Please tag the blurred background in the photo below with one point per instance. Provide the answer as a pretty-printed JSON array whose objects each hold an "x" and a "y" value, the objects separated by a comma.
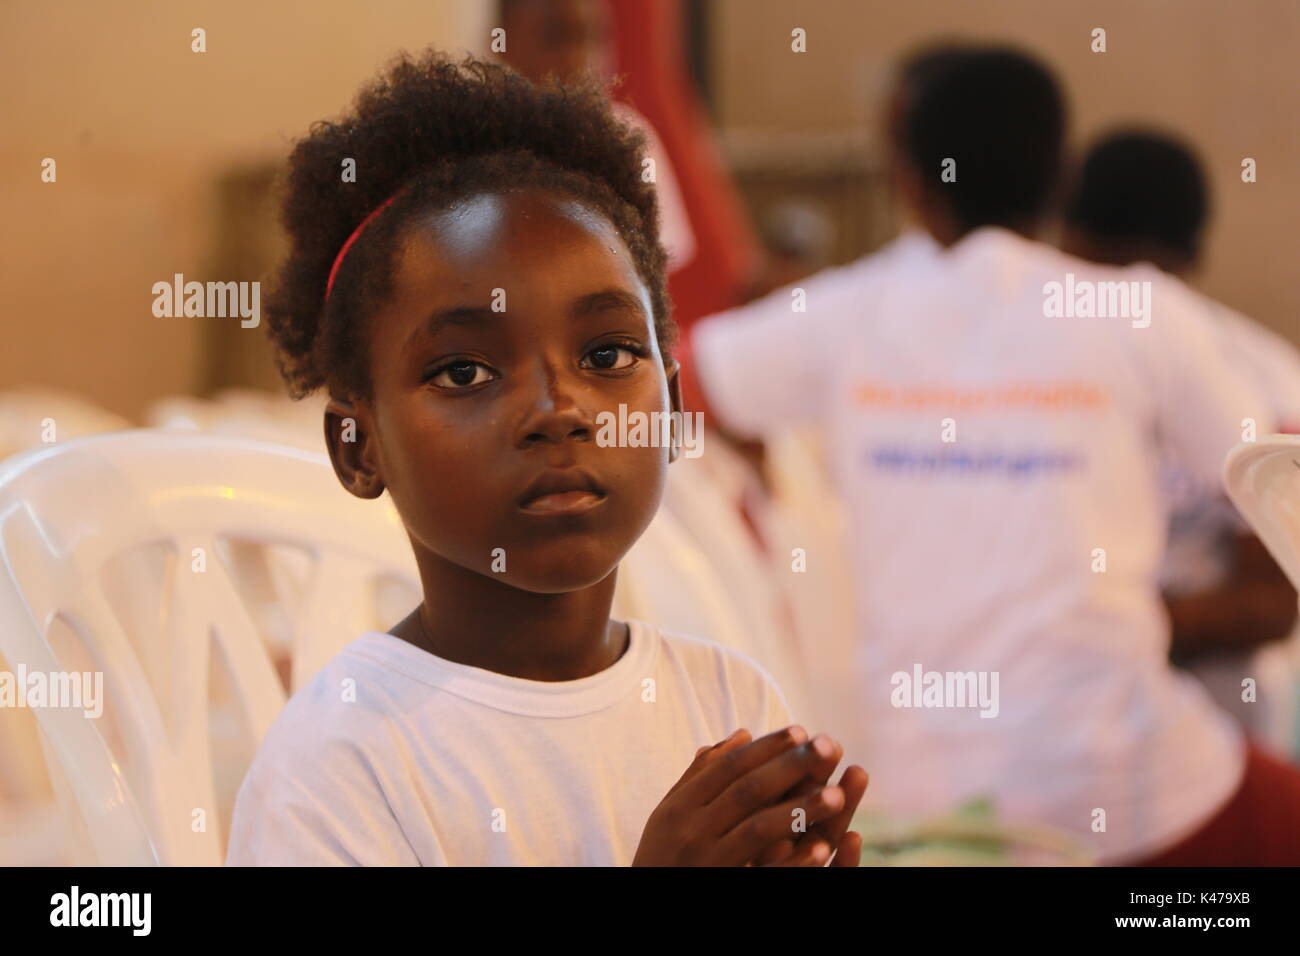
[{"x": 167, "y": 158}]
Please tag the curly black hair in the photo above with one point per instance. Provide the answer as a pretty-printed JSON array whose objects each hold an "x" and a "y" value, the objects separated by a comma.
[{"x": 430, "y": 131}]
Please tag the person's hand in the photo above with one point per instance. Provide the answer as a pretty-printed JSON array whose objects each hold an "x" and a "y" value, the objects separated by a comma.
[
  {"x": 834, "y": 832},
  {"x": 738, "y": 799}
]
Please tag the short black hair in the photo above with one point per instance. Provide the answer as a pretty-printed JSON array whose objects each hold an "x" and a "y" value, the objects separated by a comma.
[
  {"x": 431, "y": 130},
  {"x": 999, "y": 113},
  {"x": 1144, "y": 186}
]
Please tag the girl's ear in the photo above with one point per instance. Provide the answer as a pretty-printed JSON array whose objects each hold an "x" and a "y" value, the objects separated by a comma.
[
  {"x": 673, "y": 371},
  {"x": 351, "y": 449}
]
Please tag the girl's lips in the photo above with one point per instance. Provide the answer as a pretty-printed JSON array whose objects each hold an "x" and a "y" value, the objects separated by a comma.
[
  {"x": 562, "y": 491},
  {"x": 563, "y": 503}
]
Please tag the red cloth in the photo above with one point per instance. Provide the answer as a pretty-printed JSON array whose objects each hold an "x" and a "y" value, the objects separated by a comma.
[
  {"x": 648, "y": 45},
  {"x": 1260, "y": 826}
]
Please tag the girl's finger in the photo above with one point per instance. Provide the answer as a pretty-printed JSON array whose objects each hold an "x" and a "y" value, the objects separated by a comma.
[
  {"x": 775, "y": 853},
  {"x": 702, "y": 756},
  {"x": 751, "y": 838},
  {"x": 812, "y": 853},
  {"x": 763, "y": 784},
  {"x": 853, "y": 782},
  {"x": 849, "y": 852},
  {"x": 735, "y": 757}
]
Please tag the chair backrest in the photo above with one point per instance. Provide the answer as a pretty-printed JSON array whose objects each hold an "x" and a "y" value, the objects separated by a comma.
[
  {"x": 91, "y": 531},
  {"x": 34, "y": 417},
  {"x": 1263, "y": 480}
]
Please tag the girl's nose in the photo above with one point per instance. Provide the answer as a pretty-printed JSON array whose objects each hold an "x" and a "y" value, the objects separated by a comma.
[{"x": 554, "y": 411}]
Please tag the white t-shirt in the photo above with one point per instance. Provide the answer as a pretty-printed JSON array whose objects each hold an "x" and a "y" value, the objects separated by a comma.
[
  {"x": 391, "y": 756},
  {"x": 991, "y": 458}
]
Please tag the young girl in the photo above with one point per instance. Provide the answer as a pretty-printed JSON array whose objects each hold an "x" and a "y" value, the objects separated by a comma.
[{"x": 487, "y": 282}]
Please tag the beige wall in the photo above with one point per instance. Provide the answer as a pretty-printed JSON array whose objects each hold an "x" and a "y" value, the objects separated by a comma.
[
  {"x": 1224, "y": 73},
  {"x": 140, "y": 128}
]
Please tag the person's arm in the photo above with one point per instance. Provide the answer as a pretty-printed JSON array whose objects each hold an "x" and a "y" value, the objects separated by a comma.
[
  {"x": 1255, "y": 605},
  {"x": 1204, "y": 401},
  {"x": 768, "y": 364}
]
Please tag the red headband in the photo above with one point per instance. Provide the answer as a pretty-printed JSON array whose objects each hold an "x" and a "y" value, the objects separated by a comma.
[{"x": 338, "y": 259}]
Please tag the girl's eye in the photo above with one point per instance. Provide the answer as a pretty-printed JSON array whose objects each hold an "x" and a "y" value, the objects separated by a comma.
[
  {"x": 611, "y": 357},
  {"x": 462, "y": 375}
]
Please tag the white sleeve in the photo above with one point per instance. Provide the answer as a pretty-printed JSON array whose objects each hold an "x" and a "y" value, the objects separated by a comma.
[
  {"x": 1202, "y": 400},
  {"x": 1268, "y": 358},
  {"x": 768, "y": 364},
  {"x": 309, "y": 806}
]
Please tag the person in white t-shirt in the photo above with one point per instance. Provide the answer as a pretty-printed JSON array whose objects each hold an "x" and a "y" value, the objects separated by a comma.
[
  {"x": 477, "y": 303},
  {"x": 1142, "y": 196},
  {"x": 996, "y": 413}
]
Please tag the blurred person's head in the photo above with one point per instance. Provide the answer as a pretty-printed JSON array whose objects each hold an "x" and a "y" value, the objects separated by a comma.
[
  {"x": 564, "y": 38},
  {"x": 1138, "y": 197},
  {"x": 907, "y": 80},
  {"x": 999, "y": 116}
]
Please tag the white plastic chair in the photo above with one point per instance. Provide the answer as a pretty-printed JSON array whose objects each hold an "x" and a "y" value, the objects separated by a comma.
[
  {"x": 35, "y": 417},
  {"x": 133, "y": 782},
  {"x": 1263, "y": 480},
  {"x": 265, "y": 416}
]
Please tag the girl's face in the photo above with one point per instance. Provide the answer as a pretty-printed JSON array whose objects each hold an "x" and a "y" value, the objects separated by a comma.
[{"x": 515, "y": 320}]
